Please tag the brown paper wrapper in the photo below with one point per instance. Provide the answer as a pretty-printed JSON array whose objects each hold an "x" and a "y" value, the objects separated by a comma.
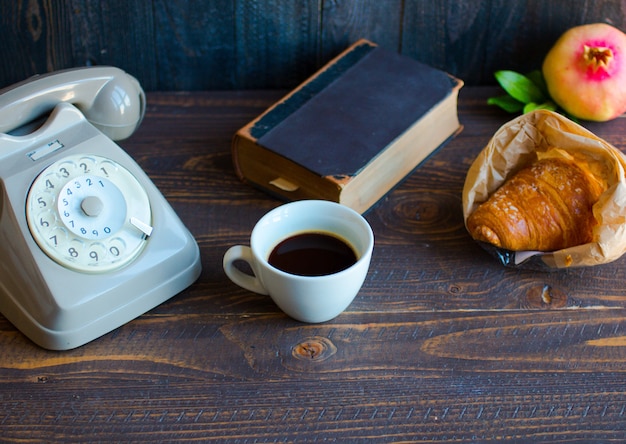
[{"x": 541, "y": 134}]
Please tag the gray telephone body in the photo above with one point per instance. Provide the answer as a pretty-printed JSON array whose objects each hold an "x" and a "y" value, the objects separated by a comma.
[{"x": 87, "y": 242}]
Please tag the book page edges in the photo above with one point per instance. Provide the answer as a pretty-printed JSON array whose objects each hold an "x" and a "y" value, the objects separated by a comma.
[
  {"x": 278, "y": 175},
  {"x": 403, "y": 155}
]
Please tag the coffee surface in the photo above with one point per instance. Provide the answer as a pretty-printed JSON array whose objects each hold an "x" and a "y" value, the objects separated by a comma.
[{"x": 312, "y": 254}]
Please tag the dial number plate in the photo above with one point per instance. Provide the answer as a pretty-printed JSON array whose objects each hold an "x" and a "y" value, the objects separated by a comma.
[{"x": 89, "y": 213}]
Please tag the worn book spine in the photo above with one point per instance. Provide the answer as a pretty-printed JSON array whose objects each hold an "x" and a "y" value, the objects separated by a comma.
[{"x": 246, "y": 150}]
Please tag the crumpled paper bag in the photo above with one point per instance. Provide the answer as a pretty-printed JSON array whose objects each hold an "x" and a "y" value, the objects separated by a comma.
[{"x": 538, "y": 134}]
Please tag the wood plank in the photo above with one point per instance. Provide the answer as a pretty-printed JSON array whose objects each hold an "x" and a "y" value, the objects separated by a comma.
[
  {"x": 276, "y": 42},
  {"x": 447, "y": 35},
  {"x": 345, "y": 22},
  {"x": 33, "y": 39},
  {"x": 442, "y": 343},
  {"x": 177, "y": 45},
  {"x": 390, "y": 377},
  {"x": 194, "y": 45},
  {"x": 106, "y": 33}
]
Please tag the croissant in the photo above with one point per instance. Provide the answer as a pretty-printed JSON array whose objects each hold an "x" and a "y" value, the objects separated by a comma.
[{"x": 546, "y": 206}]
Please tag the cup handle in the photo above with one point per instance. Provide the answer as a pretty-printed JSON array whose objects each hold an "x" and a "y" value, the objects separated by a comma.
[{"x": 240, "y": 252}]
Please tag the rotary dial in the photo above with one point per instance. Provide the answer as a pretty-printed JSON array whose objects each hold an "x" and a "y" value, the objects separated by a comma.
[{"x": 89, "y": 213}]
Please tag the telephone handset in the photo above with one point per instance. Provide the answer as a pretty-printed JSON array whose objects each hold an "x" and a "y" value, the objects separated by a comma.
[
  {"x": 110, "y": 99},
  {"x": 87, "y": 241}
]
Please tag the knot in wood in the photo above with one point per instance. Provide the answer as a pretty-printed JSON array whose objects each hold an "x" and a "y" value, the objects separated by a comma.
[
  {"x": 427, "y": 212},
  {"x": 544, "y": 296},
  {"x": 316, "y": 348},
  {"x": 454, "y": 289}
]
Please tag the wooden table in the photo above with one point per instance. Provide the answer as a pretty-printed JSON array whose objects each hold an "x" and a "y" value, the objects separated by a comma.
[{"x": 442, "y": 343}]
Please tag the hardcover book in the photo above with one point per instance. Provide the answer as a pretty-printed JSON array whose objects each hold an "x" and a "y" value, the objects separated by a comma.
[{"x": 352, "y": 131}]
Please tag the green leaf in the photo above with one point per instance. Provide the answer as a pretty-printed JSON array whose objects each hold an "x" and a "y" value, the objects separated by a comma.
[
  {"x": 537, "y": 78},
  {"x": 519, "y": 87},
  {"x": 507, "y": 103},
  {"x": 533, "y": 106}
]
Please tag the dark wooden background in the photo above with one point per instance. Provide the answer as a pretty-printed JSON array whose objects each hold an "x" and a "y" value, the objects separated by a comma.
[
  {"x": 258, "y": 44},
  {"x": 442, "y": 345}
]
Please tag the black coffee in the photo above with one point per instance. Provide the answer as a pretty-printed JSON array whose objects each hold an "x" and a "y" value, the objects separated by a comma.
[{"x": 312, "y": 254}]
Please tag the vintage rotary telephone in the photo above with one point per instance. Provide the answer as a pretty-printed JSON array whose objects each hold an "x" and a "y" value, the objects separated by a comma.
[{"x": 87, "y": 242}]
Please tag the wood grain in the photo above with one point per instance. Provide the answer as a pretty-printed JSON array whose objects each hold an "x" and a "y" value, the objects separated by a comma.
[
  {"x": 442, "y": 344},
  {"x": 258, "y": 44}
]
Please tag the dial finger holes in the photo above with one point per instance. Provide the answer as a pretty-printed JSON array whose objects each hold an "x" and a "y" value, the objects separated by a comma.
[{"x": 79, "y": 211}]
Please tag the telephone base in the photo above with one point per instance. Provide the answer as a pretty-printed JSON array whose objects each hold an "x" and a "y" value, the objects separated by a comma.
[
  {"x": 66, "y": 339},
  {"x": 70, "y": 273}
]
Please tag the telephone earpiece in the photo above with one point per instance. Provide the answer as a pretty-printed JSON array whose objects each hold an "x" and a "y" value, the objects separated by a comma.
[
  {"x": 118, "y": 107},
  {"x": 112, "y": 100}
]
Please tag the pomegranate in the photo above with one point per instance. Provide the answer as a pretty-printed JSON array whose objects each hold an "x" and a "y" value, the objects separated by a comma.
[{"x": 585, "y": 72}]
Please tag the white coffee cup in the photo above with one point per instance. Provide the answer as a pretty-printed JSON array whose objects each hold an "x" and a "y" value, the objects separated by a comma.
[{"x": 305, "y": 298}]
